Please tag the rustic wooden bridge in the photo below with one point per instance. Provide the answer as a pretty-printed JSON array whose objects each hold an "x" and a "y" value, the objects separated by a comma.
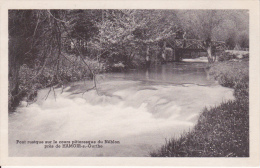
[{"x": 175, "y": 49}]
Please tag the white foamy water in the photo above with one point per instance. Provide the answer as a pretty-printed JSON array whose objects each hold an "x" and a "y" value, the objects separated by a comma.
[{"x": 138, "y": 115}]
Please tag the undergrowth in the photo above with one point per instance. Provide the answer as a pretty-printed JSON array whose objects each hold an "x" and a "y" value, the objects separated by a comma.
[
  {"x": 36, "y": 77},
  {"x": 221, "y": 131}
]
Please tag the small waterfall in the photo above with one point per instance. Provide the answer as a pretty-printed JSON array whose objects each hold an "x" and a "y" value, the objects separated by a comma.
[{"x": 137, "y": 114}]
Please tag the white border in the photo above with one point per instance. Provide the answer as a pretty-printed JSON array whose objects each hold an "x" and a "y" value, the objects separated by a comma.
[{"x": 253, "y": 160}]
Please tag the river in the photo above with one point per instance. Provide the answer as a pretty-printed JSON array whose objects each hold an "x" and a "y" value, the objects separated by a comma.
[{"x": 138, "y": 109}]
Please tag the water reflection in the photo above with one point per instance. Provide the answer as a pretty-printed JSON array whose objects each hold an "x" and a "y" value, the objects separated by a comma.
[{"x": 175, "y": 73}]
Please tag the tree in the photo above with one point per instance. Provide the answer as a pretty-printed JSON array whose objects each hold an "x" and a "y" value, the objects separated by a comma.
[
  {"x": 127, "y": 33},
  {"x": 83, "y": 26},
  {"x": 234, "y": 29},
  {"x": 202, "y": 23},
  {"x": 36, "y": 39},
  {"x": 211, "y": 25},
  {"x": 21, "y": 26}
]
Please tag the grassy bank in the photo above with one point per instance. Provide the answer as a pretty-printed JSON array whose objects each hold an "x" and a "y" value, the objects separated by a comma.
[
  {"x": 221, "y": 131},
  {"x": 35, "y": 77}
]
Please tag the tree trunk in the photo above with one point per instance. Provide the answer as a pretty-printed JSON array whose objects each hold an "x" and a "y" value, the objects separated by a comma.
[
  {"x": 209, "y": 51},
  {"x": 164, "y": 52},
  {"x": 14, "y": 67},
  {"x": 16, "y": 46},
  {"x": 208, "y": 47},
  {"x": 147, "y": 57}
]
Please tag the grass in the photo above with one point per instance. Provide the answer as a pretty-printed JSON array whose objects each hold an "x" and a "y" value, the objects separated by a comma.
[
  {"x": 33, "y": 78},
  {"x": 233, "y": 75},
  {"x": 221, "y": 131}
]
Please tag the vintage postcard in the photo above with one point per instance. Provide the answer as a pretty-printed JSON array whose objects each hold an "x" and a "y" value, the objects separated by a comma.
[{"x": 130, "y": 83}]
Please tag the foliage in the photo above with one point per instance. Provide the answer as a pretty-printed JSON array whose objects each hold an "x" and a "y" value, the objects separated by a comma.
[
  {"x": 36, "y": 44},
  {"x": 83, "y": 23},
  {"x": 232, "y": 55},
  {"x": 39, "y": 39},
  {"x": 222, "y": 25},
  {"x": 226, "y": 56},
  {"x": 72, "y": 70},
  {"x": 230, "y": 73},
  {"x": 234, "y": 75},
  {"x": 202, "y": 22},
  {"x": 34, "y": 35},
  {"x": 221, "y": 131},
  {"x": 125, "y": 34}
]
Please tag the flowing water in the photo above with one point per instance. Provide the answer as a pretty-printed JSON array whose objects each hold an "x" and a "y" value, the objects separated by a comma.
[{"x": 138, "y": 109}]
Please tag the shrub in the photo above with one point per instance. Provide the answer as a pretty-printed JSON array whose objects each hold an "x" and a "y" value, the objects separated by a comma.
[
  {"x": 234, "y": 75},
  {"x": 221, "y": 131},
  {"x": 225, "y": 56},
  {"x": 71, "y": 69}
]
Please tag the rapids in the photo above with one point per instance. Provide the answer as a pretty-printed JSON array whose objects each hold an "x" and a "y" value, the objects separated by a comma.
[{"x": 140, "y": 109}]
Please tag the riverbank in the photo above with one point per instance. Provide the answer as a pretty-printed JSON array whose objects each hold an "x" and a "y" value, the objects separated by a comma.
[
  {"x": 70, "y": 68},
  {"x": 221, "y": 131},
  {"x": 149, "y": 104},
  {"x": 35, "y": 77}
]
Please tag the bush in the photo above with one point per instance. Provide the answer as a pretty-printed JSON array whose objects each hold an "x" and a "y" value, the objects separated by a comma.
[
  {"x": 229, "y": 55},
  {"x": 221, "y": 131},
  {"x": 234, "y": 75},
  {"x": 71, "y": 69},
  {"x": 225, "y": 56}
]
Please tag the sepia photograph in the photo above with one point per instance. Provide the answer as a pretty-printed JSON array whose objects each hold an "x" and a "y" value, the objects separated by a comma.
[{"x": 129, "y": 83}]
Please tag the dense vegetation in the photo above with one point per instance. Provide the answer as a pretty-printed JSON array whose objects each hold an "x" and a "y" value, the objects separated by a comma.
[
  {"x": 221, "y": 131},
  {"x": 49, "y": 48}
]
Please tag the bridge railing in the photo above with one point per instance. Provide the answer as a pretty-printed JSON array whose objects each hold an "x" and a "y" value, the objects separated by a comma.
[{"x": 197, "y": 44}]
